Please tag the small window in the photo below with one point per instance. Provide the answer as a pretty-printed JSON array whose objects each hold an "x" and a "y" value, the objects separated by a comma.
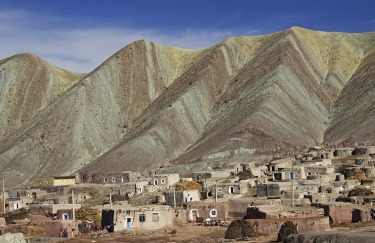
[
  {"x": 155, "y": 217},
  {"x": 220, "y": 189},
  {"x": 213, "y": 213},
  {"x": 113, "y": 179},
  {"x": 142, "y": 218},
  {"x": 105, "y": 179},
  {"x": 162, "y": 181}
]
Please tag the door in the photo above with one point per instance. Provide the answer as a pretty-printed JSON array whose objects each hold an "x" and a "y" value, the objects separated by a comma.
[
  {"x": 128, "y": 223},
  {"x": 195, "y": 215},
  {"x": 231, "y": 189}
]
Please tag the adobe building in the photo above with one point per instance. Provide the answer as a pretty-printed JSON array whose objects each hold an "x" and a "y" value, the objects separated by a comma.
[
  {"x": 125, "y": 217},
  {"x": 338, "y": 213},
  {"x": 200, "y": 211},
  {"x": 181, "y": 197},
  {"x": 130, "y": 188},
  {"x": 229, "y": 189},
  {"x": 53, "y": 181},
  {"x": 165, "y": 180},
  {"x": 109, "y": 177},
  {"x": 50, "y": 210},
  {"x": 238, "y": 206}
]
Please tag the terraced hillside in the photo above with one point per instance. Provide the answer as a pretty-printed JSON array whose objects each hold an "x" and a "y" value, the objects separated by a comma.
[{"x": 149, "y": 104}]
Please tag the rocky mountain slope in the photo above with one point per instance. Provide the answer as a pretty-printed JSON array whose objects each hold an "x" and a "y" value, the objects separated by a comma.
[{"x": 149, "y": 104}]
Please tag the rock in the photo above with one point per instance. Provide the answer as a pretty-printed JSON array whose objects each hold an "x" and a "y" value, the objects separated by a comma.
[{"x": 12, "y": 238}]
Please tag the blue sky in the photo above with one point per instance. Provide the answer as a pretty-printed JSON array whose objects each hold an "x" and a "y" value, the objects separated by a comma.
[{"x": 78, "y": 35}]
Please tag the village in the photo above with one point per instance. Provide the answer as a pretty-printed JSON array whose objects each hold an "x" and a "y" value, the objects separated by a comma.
[{"x": 317, "y": 190}]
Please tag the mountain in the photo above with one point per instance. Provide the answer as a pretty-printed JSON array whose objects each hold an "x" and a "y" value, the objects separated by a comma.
[{"x": 148, "y": 104}]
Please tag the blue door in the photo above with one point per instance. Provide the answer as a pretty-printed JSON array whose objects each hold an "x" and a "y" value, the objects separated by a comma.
[
  {"x": 128, "y": 223},
  {"x": 291, "y": 175}
]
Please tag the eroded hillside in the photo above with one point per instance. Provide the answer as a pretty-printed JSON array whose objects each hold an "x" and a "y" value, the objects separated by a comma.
[{"x": 149, "y": 104}]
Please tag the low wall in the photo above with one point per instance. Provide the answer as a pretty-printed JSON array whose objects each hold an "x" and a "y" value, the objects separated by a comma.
[
  {"x": 46, "y": 228},
  {"x": 271, "y": 227}
]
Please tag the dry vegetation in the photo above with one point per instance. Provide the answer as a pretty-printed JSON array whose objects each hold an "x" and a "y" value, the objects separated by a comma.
[
  {"x": 89, "y": 214},
  {"x": 189, "y": 185}
]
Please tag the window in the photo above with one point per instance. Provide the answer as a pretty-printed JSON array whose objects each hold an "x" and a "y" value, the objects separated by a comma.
[
  {"x": 142, "y": 218},
  {"x": 105, "y": 179},
  {"x": 155, "y": 217},
  {"x": 213, "y": 213},
  {"x": 308, "y": 173},
  {"x": 122, "y": 179},
  {"x": 220, "y": 189},
  {"x": 162, "y": 181},
  {"x": 113, "y": 179}
]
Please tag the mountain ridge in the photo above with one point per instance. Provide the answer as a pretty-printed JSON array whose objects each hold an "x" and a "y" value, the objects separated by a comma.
[{"x": 150, "y": 104}]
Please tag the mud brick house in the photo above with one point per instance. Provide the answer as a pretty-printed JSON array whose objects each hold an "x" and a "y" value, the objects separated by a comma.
[
  {"x": 364, "y": 150},
  {"x": 211, "y": 174},
  {"x": 181, "y": 197},
  {"x": 51, "y": 209},
  {"x": 277, "y": 165},
  {"x": 130, "y": 188},
  {"x": 316, "y": 170},
  {"x": 53, "y": 181},
  {"x": 32, "y": 193},
  {"x": 343, "y": 152},
  {"x": 124, "y": 217},
  {"x": 109, "y": 177},
  {"x": 229, "y": 189},
  {"x": 338, "y": 212},
  {"x": 200, "y": 211},
  {"x": 238, "y": 206},
  {"x": 15, "y": 204},
  {"x": 296, "y": 172},
  {"x": 165, "y": 180}
]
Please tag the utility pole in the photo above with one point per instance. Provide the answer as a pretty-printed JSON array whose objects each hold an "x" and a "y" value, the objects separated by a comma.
[
  {"x": 292, "y": 184},
  {"x": 216, "y": 192},
  {"x": 174, "y": 197},
  {"x": 3, "y": 196},
  {"x": 110, "y": 199},
  {"x": 73, "y": 214}
]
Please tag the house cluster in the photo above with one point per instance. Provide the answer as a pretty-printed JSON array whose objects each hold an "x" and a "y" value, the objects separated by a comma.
[{"x": 314, "y": 189}]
